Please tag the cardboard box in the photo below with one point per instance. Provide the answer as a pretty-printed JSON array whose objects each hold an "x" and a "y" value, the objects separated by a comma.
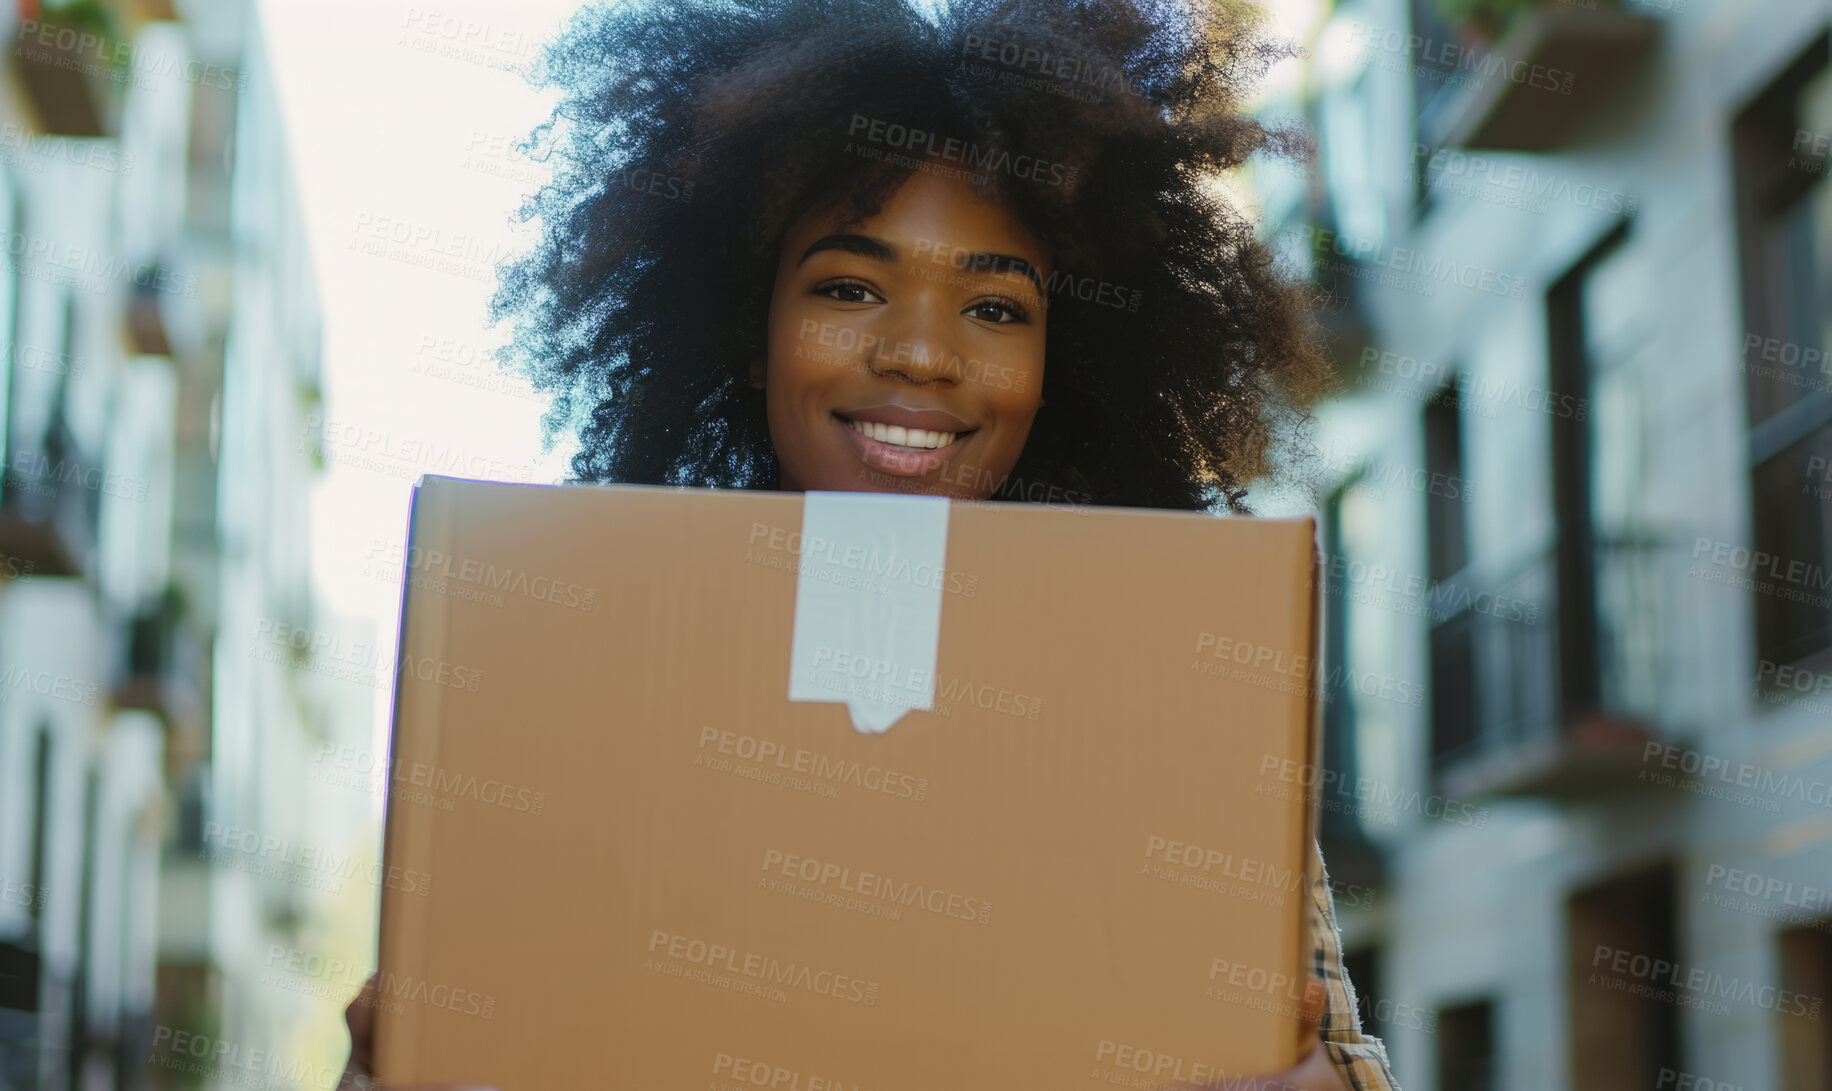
[{"x": 641, "y": 865}]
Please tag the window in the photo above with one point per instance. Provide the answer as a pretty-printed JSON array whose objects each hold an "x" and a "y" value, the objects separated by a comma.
[
  {"x": 1338, "y": 700},
  {"x": 193, "y": 809},
  {"x": 1347, "y": 119},
  {"x": 83, "y": 1005},
  {"x": 1363, "y": 970},
  {"x": 1784, "y": 221},
  {"x": 1436, "y": 54},
  {"x": 1466, "y": 1047},
  {"x": 1354, "y": 675},
  {"x": 1447, "y": 544},
  {"x": 40, "y": 847},
  {"x": 1624, "y": 1019},
  {"x": 9, "y": 296},
  {"x": 40, "y": 447},
  {"x": 1574, "y": 445},
  {"x": 1453, "y": 651}
]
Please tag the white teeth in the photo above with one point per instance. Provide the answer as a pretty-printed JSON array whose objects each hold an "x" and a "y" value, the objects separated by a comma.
[{"x": 903, "y": 437}]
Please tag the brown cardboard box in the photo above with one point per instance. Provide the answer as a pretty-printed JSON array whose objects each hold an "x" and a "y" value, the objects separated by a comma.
[{"x": 641, "y": 866}]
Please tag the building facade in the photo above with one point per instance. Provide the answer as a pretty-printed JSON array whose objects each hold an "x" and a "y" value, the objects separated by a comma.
[
  {"x": 107, "y": 323},
  {"x": 159, "y": 320},
  {"x": 1577, "y": 546}
]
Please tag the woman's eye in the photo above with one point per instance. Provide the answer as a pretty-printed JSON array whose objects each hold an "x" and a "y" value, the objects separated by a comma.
[
  {"x": 848, "y": 292},
  {"x": 995, "y": 311}
]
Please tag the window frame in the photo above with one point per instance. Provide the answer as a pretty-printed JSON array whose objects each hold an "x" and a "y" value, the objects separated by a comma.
[{"x": 1768, "y": 185}]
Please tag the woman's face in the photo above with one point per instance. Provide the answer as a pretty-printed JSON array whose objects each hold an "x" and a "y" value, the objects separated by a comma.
[{"x": 906, "y": 351}]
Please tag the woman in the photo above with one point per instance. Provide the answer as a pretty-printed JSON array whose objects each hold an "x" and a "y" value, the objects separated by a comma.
[{"x": 832, "y": 244}]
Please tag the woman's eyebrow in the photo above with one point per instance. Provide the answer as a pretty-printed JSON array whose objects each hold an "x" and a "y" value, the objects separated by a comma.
[
  {"x": 865, "y": 246},
  {"x": 870, "y": 246},
  {"x": 1004, "y": 265}
]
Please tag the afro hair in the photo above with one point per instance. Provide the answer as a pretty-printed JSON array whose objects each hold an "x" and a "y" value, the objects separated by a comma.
[{"x": 690, "y": 133}]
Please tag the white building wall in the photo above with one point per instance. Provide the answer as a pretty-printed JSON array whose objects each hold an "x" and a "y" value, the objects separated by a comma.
[{"x": 1480, "y": 913}]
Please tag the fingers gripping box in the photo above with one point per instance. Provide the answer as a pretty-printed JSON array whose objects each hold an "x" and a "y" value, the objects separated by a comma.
[{"x": 841, "y": 791}]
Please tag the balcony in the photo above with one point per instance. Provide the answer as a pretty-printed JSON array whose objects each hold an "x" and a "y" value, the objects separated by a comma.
[
  {"x": 72, "y": 63},
  {"x": 20, "y": 969},
  {"x": 49, "y": 508},
  {"x": 1554, "y": 67},
  {"x": 1342, "y": 312},
  {"x": 147, "y": 329},
  {"x": 162, "y": 667},
  {"x": 20, "y": 978},
  {"x": 1531, "y": 699}
]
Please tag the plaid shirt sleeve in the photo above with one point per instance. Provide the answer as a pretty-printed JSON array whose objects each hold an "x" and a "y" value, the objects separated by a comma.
[{"x": 1361, "y": 1060}]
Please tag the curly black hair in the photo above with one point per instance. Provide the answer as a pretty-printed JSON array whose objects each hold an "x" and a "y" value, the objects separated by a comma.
[{"x": 691, "y": 133}]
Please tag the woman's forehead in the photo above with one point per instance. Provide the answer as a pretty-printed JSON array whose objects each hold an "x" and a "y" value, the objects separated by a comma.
[{"x": 927, "y": 215}]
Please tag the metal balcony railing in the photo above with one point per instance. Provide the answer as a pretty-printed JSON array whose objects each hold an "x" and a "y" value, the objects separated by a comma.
[
  {"x": 1509, "y": 711},
  {"x": 1556, "y": 66},
  {"x": 50, "y": 504}
]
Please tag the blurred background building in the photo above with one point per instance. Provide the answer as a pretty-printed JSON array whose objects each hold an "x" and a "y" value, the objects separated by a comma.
[
  {"x": 1579, "y": 550},
  {"x": 160, "y": 320}
]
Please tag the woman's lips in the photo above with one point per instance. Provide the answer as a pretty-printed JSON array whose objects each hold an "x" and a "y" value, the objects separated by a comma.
[
  {"x": 908, "y": 416},
  {"x": 893, "y": 459}
]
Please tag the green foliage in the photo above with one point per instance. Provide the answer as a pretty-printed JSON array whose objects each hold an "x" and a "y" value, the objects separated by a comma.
[{"x": 83, "y": 14}]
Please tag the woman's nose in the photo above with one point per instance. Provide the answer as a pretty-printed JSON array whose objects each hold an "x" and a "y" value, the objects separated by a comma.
[{"x": 919, "y": 345}]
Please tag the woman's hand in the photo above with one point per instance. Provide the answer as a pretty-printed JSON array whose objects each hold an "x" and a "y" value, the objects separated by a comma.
[
  {"x": 360, "y": 1018},
  {"x": 1314, "y": 1072}
]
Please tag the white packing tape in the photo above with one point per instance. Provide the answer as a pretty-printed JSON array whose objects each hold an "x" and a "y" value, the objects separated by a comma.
[{"x": 868, "y": 604}]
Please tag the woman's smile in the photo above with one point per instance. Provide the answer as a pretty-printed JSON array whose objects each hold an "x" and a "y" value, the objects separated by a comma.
[{"x": 903, "y": 441}]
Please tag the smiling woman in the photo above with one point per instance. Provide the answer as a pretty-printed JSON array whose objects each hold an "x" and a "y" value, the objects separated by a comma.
[
  {"x": 865, "y": 228},
  {"x": 850, "y": 245}
]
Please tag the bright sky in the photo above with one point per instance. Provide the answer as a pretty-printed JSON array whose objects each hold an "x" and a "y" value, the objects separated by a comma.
[{"x": 401, "y": 120}]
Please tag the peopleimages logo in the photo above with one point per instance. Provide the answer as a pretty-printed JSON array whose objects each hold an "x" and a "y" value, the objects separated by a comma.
[
  {"x": 1062, "y": 282},
  {"x": 1430, "y": 270},
  {"x": 1810, "y": 900},
  {"x": 1796, "y": 362},
  {"x": 1798, "y": 679},
  {"x": 1333, "y": 791},
  {"x": 924, "y": 144},
  {"x": 336, "y": 656},
  {"x": 248, "y": 850},
  {"x": 232, "y": 1063},
  {"x": 1211, "y": 861},
  {"x": 761, "y": 968},
  {"x": 1719, "y": 777},
  {"x": 36, "y": 472},
  {"x": 1686, "y": 1081},
  {"x": 1161, "y": 1066},
  {"x": 1433, "y": 375},
  {"x": 1443, "y": 163},
  {"x": 869, "y": 563},
  {"x": 851, "y": 348},
  {"x": 58, "y": 687},
  {"x": 837, "y": 771},
  {"x": 1482, "y": 63},
  {"x": 439, "y": 566},
  {"x": 776, "y": 1077},
  {"x": 869, "y": 884},
  {"x": 1261, "y": 665},
  {"x": 1691, "y": 987},
  {"x": 1095, "y": 77},
  {"x": 1762, "y": 564}
]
